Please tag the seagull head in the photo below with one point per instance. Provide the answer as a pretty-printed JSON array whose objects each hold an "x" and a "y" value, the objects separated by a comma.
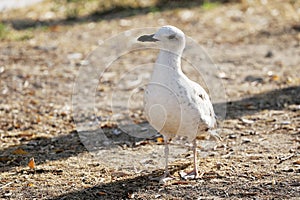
[{"x": 168, "y": 37}]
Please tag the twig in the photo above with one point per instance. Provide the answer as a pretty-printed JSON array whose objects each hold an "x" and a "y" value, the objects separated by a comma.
[
  {"x": 7, "y": 184},
  {"x": 285, "y": 158}
]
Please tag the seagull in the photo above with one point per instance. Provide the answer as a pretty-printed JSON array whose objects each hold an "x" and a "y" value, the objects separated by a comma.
[{"x": 173, "y": 104}]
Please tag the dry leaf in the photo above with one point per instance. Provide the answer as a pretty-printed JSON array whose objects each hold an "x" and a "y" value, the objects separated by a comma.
[
  {"x": 201, "y": 137},
  {"x": 297, "y": 162},
  {"x": 38, "y": 119},
  {"x": 58, "y": 150},
  {"x": 19, "y": 151},
  {"x": 25, "y": 134},
  {"x": 182, "y": 183},
  {"x": 30, "y": 184},
  {"x": 31, "y": 163},
  {"x": 54, "y": 28},
  {"x": 33, "y": 102},
  {"x": 31, "y": 92},
  {"x": 4, "y": 159},
  {"x": 108, "y": 124},
  {"x": 275, "y": 78},
  {"x": 160, "y": 140},
  {"x": 101, "y": 193},
  {"x": 130, "y": 195}
]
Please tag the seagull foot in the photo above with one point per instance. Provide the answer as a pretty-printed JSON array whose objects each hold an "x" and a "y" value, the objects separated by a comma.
[
  {"x": 164, "y": 178},
  {"x": 189, "y": 175}
]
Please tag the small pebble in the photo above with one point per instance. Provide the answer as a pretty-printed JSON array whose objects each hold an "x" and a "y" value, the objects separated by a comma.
[
  {"x": 269, "y": 54},
  {"x": 232, "y": 136},
  {"x": 288, "y": 170},
  {"x": 246, "y": 140}
]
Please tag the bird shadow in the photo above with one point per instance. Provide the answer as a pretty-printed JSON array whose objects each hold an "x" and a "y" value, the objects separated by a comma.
[
  {"x": 121, "y": 189},
  {"x": 42, "y": 149},
  {"x": 278, "y": 99},
  {"x": 45, "y": 149}
]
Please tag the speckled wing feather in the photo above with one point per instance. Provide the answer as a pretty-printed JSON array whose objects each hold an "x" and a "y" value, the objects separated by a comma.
[{"x": 205, "y": 107}]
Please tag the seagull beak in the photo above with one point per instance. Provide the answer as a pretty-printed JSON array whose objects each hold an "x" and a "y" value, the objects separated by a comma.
[{"x": 147, "y": 38}]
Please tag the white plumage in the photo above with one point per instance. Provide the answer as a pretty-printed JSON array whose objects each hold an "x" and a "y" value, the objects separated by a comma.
[{"x": 175, "y": 105}]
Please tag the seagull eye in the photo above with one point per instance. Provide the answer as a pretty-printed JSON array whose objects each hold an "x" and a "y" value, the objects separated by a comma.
[{"x": 171, "y": 37}]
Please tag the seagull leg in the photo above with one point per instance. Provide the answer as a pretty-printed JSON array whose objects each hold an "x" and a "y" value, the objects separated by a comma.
[
  {"x": 195, "y": 170},
  {"x": 166, "y": 176},
  {"x": 166, "y": 151},
  {"x": 194, "y": 173}
]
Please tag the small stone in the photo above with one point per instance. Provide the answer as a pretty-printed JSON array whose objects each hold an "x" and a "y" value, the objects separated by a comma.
[
  {"x": 247, "y": 121},
  {"x": 287, "y": 170},
  {"x": 294, "y": 107},
  {"x": 269, "y": 54},
  {"x": 232, "y": 136},
  {"x": 246, "y": 140},
  {"x": 116, "y": 132},
  {"x": 219, "y": 165},
  {"x": 125, "y": 22},
  {"x": 285, "y": 122},
  {"x": 297, "y": 162},
  {"x": 74, "y": 56},
  {"x": 130, "y": 195},
  {"x": 7, "y": 194},
  {"x": 2, "y": 69}
]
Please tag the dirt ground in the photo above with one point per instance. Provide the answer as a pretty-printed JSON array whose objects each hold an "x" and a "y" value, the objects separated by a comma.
[{"x": 255, "y": 44}]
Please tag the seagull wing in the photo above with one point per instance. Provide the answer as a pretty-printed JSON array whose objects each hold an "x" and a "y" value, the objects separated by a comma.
[{"x": 204, "y": 105}]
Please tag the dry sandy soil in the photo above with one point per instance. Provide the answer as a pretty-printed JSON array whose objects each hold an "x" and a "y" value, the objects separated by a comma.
[{"x": 255, "y": 44}]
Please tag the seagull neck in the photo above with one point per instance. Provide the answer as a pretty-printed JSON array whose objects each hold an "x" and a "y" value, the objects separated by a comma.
[{"x": 169, "y": 59}]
